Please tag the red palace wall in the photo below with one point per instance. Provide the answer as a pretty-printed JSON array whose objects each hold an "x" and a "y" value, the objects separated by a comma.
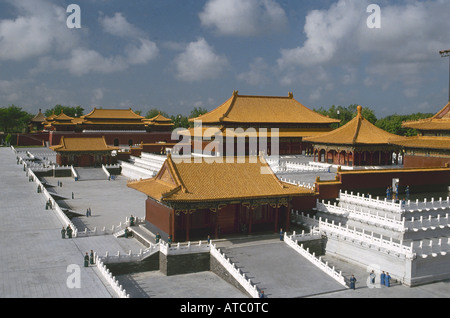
[
  {"x": 122, "y": 137},
  {"x": 422, "y": 161},
  {"x": 34, "y": 139},
  {"x": 159, "y": 215}
]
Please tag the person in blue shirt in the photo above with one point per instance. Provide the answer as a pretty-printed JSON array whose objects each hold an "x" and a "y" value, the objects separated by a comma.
[
  {"x": 387, "y": 280},
  {"x": 353, "y": 282},
  {"x": 382, "y": 278}
]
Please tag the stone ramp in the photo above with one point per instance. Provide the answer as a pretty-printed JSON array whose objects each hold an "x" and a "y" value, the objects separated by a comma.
[
  {"x": 85, "y": 174},
  {"x": 279, "y": 270}
]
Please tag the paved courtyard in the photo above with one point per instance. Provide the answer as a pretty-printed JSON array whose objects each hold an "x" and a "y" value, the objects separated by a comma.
[{"x": 35, "y": 260}]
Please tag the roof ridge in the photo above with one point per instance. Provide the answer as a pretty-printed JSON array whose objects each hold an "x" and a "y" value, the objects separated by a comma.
[
  {"x": 174, "y": 171},
  {"x": 359, "y": 119},
  {"x": 233, "y": 101}
]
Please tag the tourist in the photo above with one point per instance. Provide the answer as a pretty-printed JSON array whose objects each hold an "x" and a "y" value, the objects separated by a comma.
[
  {"x": 209, "y": 239},
  {"x": 86, "y": 260},
  {"x": 388, "y": 193},
  {"x": 281, "y": 235},
  {"x": 91, "y": 258},
  {"x": 387, "y": 280},
  {"x": 131, "y": 220},
  {"x": 169, "y": 241},
  {"x": 261, "y": 294},
  {"x": 72, "y": 196},
  {"x": 157, "y": 237},
  {"x": 63, "y": 233},
  {"x": 382, "y": 277},
  {"x": 87, "y": 212},
  {"x": 372, "y": 277},
  {"x": 69, "y": 231},
  {"x": 126, "y": 232},
  {"x": 353, "y": 282}
]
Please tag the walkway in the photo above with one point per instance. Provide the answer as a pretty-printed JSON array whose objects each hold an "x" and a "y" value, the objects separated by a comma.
[{"x": 34, "y": 258}]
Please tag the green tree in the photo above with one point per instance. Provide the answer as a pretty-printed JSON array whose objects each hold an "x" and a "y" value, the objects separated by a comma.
[
  {"x": 154, "y": 112},
  {"x": 196, "y": 112},
  {"x": 393, "y": 123},
  {"x": 14, "y": 119},
  {"x": 180, "y": 121},
  {"x": 345, "y": 114},
  {"x": 72, "y": 111}
]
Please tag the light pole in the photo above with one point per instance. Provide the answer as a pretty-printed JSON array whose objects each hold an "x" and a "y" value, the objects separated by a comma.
[{"x": 446, "y": 53}]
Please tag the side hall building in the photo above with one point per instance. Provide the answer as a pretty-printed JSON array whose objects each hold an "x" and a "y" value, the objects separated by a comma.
[
  {"x": 189, "y": 199},
  {"x": 431, "y": 147},
  {"x": 259, "y": 119},
  {"x": 357, "y": 143}
]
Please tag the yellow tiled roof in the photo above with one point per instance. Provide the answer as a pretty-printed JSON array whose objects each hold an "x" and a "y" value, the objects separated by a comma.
[
  {"x": 112, "y": 114},
  {"x": 357, "y": 131},
  {"x": 159, "y": 120},
  {"x": 423, "y": 142},
  {"x": 263, "y": 109},
  {"x": 214, "y": 181},
  {"x": 282, "y": 132},
  {"x": 68, "y": 144},
  {"x": 39, "y": 118},
  {"x": 440, "y": 121}
]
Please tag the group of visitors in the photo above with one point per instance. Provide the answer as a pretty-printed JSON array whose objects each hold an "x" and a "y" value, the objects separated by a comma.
[
  {"x": 392, "y": 194},
  {"x": 66, "y": 230},
  {"x": 89, "y": 259},
  {"x": 385, "y": 279}
]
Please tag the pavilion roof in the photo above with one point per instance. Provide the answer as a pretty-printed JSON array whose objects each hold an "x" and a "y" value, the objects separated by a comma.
[
  {"x": 357, "y": 131},
  {"x": 74, "y": 144},
  {"x": 423, "y": 142},
  {"x": 114, "y": 114},
  {"x": 440, "y": 121},
  {"x": 189, "y": 181},
  {"x": 263, "y": 109},
  {"x": 39, "y": 118},
  {"x": 159, "y": 120}
]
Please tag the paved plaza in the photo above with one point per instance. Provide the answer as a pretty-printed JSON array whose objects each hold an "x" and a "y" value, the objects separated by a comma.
[{"x": 35, "y": 260}]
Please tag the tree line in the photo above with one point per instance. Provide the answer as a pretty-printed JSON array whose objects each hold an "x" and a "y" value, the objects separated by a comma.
[
  {"x": 15, "y": 120},
  {"x": 391, "y": 123}
]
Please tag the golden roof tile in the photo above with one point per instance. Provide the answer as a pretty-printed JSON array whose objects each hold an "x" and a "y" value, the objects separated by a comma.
[
  {"x": 74, "y": 144},
  {"x": 423, "y": 142},
  {"x": 263, "y": 109},
  {"x": 357, "y": 131},
  {"x": 187, "y": 180},
  {"x": 440, "y": 121}
]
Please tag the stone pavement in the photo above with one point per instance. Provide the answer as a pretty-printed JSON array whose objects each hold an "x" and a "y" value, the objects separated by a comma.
[{"x": 35, "y": 259}]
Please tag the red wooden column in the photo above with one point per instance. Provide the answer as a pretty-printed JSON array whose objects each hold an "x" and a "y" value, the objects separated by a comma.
[
  {"x": 276, "y": 219},
  {"x": 288, "y": 217},
  {"x": 188, "y": 225},
  {"x": 172, "y": 224},
  {"x": 250, "y": 219}
]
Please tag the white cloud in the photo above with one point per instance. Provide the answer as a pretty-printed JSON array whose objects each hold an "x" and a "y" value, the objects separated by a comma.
[
  {"x": 400, "y": 52},
  {"x": 82, "y": 60},
  {"x": 243, "y": 17},
  {"x": 119, "y": 26},
  {"x": 39, "y": 28},
  {"x": 142, "y": 54},
  {"x": 258, "y": 74},
  {"x": 199, "y": 62},
  {"x": 327, "y": 32}
]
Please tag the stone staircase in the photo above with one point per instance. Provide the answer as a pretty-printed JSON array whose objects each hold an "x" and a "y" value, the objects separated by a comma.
[{"x": 86, "y": 174}]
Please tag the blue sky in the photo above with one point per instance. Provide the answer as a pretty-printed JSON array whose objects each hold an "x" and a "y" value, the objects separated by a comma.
[{"x": 179, "y": 54}]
